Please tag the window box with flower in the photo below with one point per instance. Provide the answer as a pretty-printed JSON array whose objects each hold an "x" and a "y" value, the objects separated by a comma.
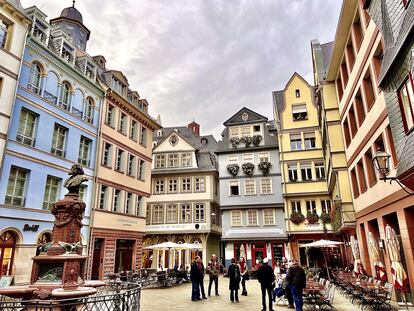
[
  {"x": 312, "y": 218},
  {"x": 247, "y": 140},
  {"x": 265, "y": 167},
  {"x": 233, "y": 169},
  {"x": 297, "y": 218},
  {"x": 256, "y": 139},
  {"x": 234, "y": 142},
  {"x": 248, "y": 168}
]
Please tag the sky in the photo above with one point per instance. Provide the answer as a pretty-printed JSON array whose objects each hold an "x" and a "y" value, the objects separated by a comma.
[{"x": 204, "y": 60}]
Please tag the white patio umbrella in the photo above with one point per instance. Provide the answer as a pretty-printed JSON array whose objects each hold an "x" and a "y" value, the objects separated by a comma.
[
  {"x": 190, "y": 246},
  {"x": 323, "y": 244},
  {"x": 358, "y": 268},
  {"x": 376, "y": 258},
  {"x": 400, "y": 278},
  {"x": 163, "y": 246}
]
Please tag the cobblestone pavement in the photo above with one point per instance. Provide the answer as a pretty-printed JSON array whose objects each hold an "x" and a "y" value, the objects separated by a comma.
[{"x": 179, "y": 298}]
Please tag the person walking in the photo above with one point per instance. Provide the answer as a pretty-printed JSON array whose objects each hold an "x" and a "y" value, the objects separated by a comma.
[
  {"x": 266, "y": 277},
  {"x": 234, "y": 276},
  {"x": 202, "y": 274},
  {"x": 296, "y": 280},
  {"x": 195, "y": 277},
  {"x": 244, "y": 273},
  {"x": 213, "y": 270}
]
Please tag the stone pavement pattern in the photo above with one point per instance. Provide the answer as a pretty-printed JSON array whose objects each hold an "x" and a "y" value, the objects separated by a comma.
[{"x": 178, "y": 298}]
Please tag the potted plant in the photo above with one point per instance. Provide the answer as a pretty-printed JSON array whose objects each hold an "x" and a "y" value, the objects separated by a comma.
[
  {"x": 233, "y": 169},
  {"x": 265, "y": 167},
  {"x": 312, "y": 218},
  {"x": 234, "y": 141},
  {"x": 256, "y": 139},
  {"x": 326, "y": 218},
  {"x": 297, "y": 218},
  {"x": 248, "y": 168},
  {"x": 247, "y": 140}
]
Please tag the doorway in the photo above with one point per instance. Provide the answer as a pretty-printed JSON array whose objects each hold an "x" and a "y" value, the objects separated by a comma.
[
  {"x": 97, "y": 259},
  {"x": 123, "y": 255},
  {"x": 258, "y": 253}
]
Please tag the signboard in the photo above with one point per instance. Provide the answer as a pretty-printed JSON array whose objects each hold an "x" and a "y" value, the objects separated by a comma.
[{"x": 6, "y": 280}]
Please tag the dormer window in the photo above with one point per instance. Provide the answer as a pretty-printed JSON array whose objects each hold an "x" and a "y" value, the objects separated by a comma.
[
  {"x": 297, "y": 93},
  {"x": 90, "y": 71},
  {"x": 39, "y": 31},
  {"x": 118, "y": 86},
  {"x": 299, "y": 112},
  {"x": 67, "y": 52}
]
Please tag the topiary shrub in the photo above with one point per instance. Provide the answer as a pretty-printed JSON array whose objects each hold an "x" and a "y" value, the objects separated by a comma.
[
  {"x": 247, "y": 140},
  {"x": 248, "y": 168},
  {"x": 233, "y": 169},
  {"x": 265, "y": 167},
  {"x": 234, "y": 141}
]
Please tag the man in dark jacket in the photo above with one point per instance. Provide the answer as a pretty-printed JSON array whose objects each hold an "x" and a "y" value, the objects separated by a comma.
[
  {"x": 195, "y": 277},
  {"x": 213, "y": 271},
  {"x": 296, "y": 279},
  {"x": 266, "y": 277}
]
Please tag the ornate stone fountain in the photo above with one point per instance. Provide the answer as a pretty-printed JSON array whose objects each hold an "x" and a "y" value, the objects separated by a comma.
[{"x": 59, "y": 268}]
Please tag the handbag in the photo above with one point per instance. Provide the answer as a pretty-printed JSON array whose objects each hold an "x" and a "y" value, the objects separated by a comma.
[{"x": 246, "y": 277}]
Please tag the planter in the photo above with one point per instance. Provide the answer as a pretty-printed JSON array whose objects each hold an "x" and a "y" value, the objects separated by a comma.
[
  {"x": 256, "y": 139},
  {"x": 233, "y": 169},
  {"x": 312, "y": 218},
  {"x": 265, "y": 167},
  {"x": 326, "y": 218},
  {"x": 248, "y": 168},
  {"x": 297, "y": 218}
]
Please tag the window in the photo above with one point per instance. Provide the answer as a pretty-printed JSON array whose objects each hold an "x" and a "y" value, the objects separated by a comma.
[
  {"x": 172, "y": 214},
  {"x": 234, "y": 131},
  {"x": 89, "y": 106},
  {"x": 295, "y": 205},
  {"x": 361, "y": 176},
  {"x": 248, "y": 157},
  {"x": 252, "y": 218},
  {"x": 352, "y": 121},
  {"x": 250, "y": 187},
  {"x": 297, "y": 93},
  {"x": 299, "y": 112},
  {"x": 173, "y": 160},
  {"x": 139, "y": 203},
  {"x": 310, "y": 141},
  {"x": 59, "y": 140},
  {"x": 122, "y": 127},
  {"x": 369, "y": 91},
  {"x": 117, "y": 197},
  {"x": 256, "y": 128},
  {"x": 406, "y": 100},
  {"x": 82, "y": 192},
  {"x": 118, "y": 86},
  {"x": 295, "y": 142},
  {"x": 4, "y": 29},
  {"x": 263, "y": 157},
  {"x": 148, "y": 215},
  {"x": 232, "y": 159},
  {"x": 128, "y": 203},
  {"x": 141, "y": 170},
  {"x": 236, "y": 218},
  {"x": 143, "y": 137},
  {"x": 293, "y": 172},
  {"x": 185, "y": 213},
  {"x": 406, "y": 2},
  {"x": 199, "y": 184},
  {"x": 103, "y": 196},
  {"x": 347, "y": 134},
  {"x": 306, "y": 170},
  {"x": 110, "y": 115},
  {"x": 320, "y": 170},
  {"x": 132, "y": 163},
  {"x": 266, "y": 186},
  {"x": 27, "y": 127},
  {"x": 372, "y": 179},
  {"x": 186, "y": 159},
  {"x": 172, "y": 185},
  {"x": 246, "y": 130},
  {"x": 326, "y": 206},
  {"x": 84, "y": 151},
  {"x": 359, "y": 108},
  {"x": 65, "y": 96},
  {"x": 311, "y": 207},
  {"x": 354, "y": 181},
  {"x": 268, "y": 217},
  {"x": 160, "y": 161},
  {"x": 90, "y": 70},
  {"x": 16, "y": 187},
  {"x": 107, "y": 155},
  {"x": 159, "y": 186},
  {"x": 119, "y": 165},
  {"x": 7, "y": 247},
  {"x": 67, "y": 52},
  {"x": 133, "y": 134},
  {"x": 199, "y": 212},
  {"x": 35, "y": 81},
  {"x": 234, "y": 188},
  {"x": 185, "y": 184},
  {"x": 158, "y": 214}
]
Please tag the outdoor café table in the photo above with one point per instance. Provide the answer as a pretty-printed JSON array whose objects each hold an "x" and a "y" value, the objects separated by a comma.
[{"x": 313, "y": 290}]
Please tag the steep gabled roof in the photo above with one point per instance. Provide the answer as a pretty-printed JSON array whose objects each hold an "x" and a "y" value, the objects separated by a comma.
[{"x": 253, "y": 117}]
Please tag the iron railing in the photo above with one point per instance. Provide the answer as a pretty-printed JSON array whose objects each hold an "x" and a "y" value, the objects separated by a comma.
[{"x": 115, "y": 296}]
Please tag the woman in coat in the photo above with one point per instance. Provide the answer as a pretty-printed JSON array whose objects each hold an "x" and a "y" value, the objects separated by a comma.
[
  {"x": 244, "y": 273},
  {"x": 234, "y": 276}
]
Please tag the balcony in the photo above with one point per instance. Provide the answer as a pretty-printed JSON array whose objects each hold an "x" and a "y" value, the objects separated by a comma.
[{"x": 50, "y": 97}]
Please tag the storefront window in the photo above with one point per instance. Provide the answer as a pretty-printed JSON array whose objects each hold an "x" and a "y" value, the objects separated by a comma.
[{"x": 7, "y": 247}]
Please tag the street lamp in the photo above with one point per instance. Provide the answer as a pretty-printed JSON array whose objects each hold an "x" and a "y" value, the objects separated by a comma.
[{"x": 381, "y": 162}]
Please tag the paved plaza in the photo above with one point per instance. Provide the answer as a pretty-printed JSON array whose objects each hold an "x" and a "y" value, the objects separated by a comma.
[{"x": 178, "y": 298}]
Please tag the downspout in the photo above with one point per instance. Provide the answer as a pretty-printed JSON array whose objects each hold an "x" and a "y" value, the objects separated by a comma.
[{"x": 14, "y": 101}]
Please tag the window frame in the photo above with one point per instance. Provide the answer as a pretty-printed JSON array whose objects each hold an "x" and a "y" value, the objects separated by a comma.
[
  {"x": 270, "y": 185},
  {"x": 250, "y": 224},
  {"x": 238, "y": 186},
  {"x": 403, "y": 112},
  {"x": 202, "y": 210},
  {"x": 232, "y": 214},
  {"x": 22, "y": 137},
  {"x": 273, "y": 217},
  {"x": 250, "y": 183},
  {"x": 13, "y": 196}
]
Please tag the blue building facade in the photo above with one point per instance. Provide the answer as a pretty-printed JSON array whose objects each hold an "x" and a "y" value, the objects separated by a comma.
[
  {"x": 251, "y": 203},
  {"x": 54, "y": 124}
]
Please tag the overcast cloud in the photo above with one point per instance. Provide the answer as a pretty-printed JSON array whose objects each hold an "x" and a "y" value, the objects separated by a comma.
[{"x": 205, "y": 59}]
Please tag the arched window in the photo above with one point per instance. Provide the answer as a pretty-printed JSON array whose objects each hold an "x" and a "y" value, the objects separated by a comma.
[
  {"x": 35, "y": 79},
  {"x": 65, "y": 95},
  {"x": 45, "y": 237},
  {"x": 7, "y": 247},
  {"x": 89, "y": 105}
]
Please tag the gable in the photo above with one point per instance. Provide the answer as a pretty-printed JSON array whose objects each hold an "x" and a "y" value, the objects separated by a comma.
[
  {"x": 245, "y": 116},
  {"x": 170, "y": 144}
]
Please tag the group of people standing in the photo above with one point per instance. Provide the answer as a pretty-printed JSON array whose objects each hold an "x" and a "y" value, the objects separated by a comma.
[{"x": 290, "y": 275}]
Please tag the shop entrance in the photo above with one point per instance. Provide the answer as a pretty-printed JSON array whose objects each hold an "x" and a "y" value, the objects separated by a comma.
[
  {"x": 123, "y": 255},
  {"x": 258, "y": 253},
  {"x": 97, "y": 259}
]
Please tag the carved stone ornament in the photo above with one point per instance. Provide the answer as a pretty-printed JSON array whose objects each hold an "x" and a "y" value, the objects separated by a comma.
[{"x": 75, "y": 180}]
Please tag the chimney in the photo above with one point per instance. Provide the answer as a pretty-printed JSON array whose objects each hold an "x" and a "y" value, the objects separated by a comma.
[{"x": 194, "y": 127}]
